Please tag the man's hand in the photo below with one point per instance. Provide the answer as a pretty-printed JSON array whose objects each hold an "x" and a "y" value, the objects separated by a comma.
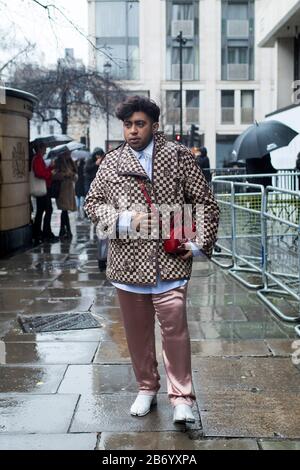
[
  {"x": 141, "y": 222},
  {"x": 186, "y": 251}
]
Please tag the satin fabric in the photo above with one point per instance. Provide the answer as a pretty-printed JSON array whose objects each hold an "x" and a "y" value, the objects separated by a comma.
[{"x": 138, "y": 313}]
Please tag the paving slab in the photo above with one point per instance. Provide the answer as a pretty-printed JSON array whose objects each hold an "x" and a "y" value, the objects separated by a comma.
[
  {"x": 111, "y": 413},
  {"x": 31, "y": 379},
  {"x": 241, "y": 413},
  {"x": 170, "y": 441},
  {"x": 268, "y": 375},
  {"x": 237, "y": 330},
  {"x": 50, "y": 353},
  {"x": 55, "y": 305},
  {"x": 97, "y": 379},
  {"x": 74, "y": 336},
  {"x": 216, "y": 314},
  {"x": 280, "y": 445},
  {"x": 281, "y": 348},
  {"x": 32, "y": 414},
  {"x": 110, "y": 352},
  {"x": 226, "y": 348},
  {"x": 49, "y": 442}
]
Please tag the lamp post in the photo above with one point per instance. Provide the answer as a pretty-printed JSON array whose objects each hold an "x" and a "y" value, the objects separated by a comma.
[
  {"x": 182, "y": 42},
  {"x": 107, "y": 69}
]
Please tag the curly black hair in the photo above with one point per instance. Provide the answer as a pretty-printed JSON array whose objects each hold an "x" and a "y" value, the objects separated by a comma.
[{"x": 135, "y": 104}]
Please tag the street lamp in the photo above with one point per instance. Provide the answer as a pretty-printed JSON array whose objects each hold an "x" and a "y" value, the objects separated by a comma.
[
  {"x": 182, "y": 42},
  {"x": 107, "y": 69}
]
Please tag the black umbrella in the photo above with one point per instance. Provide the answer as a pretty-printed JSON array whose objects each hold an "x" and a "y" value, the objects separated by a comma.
[
  {"x": 52, "y": 140},
  {"x": 261, "y": 139}
]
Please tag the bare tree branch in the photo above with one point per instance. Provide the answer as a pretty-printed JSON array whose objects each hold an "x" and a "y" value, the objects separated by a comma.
[{"x": 13, "y": 59}]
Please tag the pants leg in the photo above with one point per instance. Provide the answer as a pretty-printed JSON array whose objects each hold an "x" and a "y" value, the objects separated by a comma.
[
  {"x": 139, "y": 322},
  {"x": 47, "y": 232},
  {"x": 170, "y": 308},
  {"x": 41, "y": 204}
]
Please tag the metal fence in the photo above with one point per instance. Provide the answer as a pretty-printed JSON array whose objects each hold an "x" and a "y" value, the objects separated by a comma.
[
  {"x": 284, "y": 179},
  {"x": 259, "y": 240},
  {"x": 281, "y": 258}
]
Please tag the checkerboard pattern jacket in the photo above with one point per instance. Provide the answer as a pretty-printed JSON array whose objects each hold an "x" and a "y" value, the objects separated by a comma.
[{"x": 177, "y": 180}]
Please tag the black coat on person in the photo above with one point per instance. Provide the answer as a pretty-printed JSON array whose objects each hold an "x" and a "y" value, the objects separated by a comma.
[
  {"x": 80, "y": 189},
  {"x": 260, "y": 166}
]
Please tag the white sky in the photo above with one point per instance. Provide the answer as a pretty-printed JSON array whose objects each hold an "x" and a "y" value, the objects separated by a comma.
[{"x": 51, "y": 38}]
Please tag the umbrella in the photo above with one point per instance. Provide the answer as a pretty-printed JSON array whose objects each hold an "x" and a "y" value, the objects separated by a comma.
[
  {"x": 60, "y": 149},
  {"x": 260, "y": 139},
  {"x": 52, "y": 140},
  {"x": 80, "y": 155}
]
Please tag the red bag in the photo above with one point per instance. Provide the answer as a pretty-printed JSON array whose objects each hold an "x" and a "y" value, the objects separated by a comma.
[{"x": 178, "y": 232}]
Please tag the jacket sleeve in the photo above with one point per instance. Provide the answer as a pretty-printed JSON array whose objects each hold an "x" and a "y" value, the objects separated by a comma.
[
  {"x": 103, "y": 215},
  {"x": 40, "y": 170},
  {"x": 205, "y": 210}
]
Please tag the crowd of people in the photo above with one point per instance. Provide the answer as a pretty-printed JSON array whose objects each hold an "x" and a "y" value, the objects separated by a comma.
[{"x": 68, "y": 182}]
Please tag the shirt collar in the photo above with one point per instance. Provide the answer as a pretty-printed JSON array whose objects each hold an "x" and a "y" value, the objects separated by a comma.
[{"x": 147, "y": 151}]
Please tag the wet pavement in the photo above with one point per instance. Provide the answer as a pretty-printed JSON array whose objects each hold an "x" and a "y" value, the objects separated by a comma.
[{"x": 74, "y": 389}]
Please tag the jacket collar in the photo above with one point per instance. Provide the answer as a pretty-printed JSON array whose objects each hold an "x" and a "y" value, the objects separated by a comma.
[{"x": 129, "y": 165}]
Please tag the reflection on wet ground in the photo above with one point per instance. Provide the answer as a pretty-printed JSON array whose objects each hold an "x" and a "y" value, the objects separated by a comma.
[{"x": 77, "y": 386}]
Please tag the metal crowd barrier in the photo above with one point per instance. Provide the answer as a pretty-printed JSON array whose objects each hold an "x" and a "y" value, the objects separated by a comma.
[
  {"x": 281, "y": 263},
  {"x": 285, "y": 179},
  {"x": 259, "y": 235},
  {"x": 243, "y": 220}
]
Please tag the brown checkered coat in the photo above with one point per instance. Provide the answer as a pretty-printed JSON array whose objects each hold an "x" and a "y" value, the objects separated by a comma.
[{"x": 177, "y": 179}]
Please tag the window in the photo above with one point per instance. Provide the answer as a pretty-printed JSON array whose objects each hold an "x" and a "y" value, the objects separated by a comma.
[
  {"x": 247, "y": 103},
  {"x": 238, "y": 40},
  {"x": 117, "y": 32},
  {"x": 192, "y": 106},
  {"x": 39, "y": 130},
  {"x": 227, "y": 105},
  {"x": 183, "y": 16},
  {"x": 173, "y": 107},
  {"x": 51, "y": 130}
]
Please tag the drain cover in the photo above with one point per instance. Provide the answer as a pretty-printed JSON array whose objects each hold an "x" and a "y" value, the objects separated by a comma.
[{"x": 62, "y": 322}]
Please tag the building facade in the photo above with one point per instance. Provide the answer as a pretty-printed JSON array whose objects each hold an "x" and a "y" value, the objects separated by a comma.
[
  {"x": 280, "y": 28},
  {"x": 228, "y": 80}
]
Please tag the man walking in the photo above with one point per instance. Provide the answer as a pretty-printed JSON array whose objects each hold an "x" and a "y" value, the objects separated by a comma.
[{"x": 148, "y": 171}]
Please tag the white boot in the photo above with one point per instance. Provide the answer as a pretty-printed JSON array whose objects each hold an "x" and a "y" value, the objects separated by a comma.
[
  {"x": 183, "y": 414},
  {"x": 142, "y": 405}
]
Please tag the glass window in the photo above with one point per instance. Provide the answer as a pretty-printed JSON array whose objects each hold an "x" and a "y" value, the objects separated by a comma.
[
  {"x": 173, "y": 99},
  {"x": 110, "y": 19},
  {"x": 227, "y": 99},
  {"x": 238, "y": 11},
  {"x": 238, "y": 55},
  {"x": 182, "y": 11},
  {"x": 247, "y": 99},
  {"x": 192, "y": 99},
  {"x": 187, "y": 55},
  {"x": 133, "y": 19},
  {"x": 117, "y": 33}
]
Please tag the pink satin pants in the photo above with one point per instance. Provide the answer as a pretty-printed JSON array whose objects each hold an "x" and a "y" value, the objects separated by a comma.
[{"x": 138, "y": 312}]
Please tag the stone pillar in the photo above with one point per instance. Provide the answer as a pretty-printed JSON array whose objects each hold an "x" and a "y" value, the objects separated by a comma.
[{"x": 15, "y": 217}]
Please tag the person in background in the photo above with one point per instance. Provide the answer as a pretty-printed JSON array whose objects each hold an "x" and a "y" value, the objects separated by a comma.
[
  {"x": 43, "y": 203},
  {"x": 204, "y": 163},
  {"x": 260, "y": 166},
  {"x": 80, "y": 188},
  {"x": 66, "y": 173},
  {"x": 92, "y": 166}
]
